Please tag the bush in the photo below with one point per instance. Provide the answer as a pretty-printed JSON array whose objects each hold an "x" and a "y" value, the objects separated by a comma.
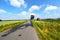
[{"x": 38, "y": 19}]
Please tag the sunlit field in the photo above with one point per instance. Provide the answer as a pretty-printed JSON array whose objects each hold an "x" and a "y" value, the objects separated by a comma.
[
  {"x": 47, "y": 29},
  {"x": 8, "y": 24}
]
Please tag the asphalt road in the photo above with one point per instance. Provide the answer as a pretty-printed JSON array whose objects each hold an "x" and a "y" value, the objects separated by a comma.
[{"x": 22, "y": 32}]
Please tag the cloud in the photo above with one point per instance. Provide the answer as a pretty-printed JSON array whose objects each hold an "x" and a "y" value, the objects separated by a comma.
[
  {"x": 34, "y": 7},
  {"x": 32, "y": 14},
  {"x": 26, "y": 14},
  {"x": 51, "y": 12},
  {"x": 2, "y": 11},
  {"x": 17, "y": 3},
  {"x": 50, "y": 7}
]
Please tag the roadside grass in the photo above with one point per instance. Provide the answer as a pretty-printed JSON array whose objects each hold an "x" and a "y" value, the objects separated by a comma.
[
  {"x": 47, "y": 30},
  {"x": 5, "y": 25}
]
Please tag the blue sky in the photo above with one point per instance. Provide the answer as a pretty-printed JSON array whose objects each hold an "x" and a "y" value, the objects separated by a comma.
[{"x": 22, "y": 9}]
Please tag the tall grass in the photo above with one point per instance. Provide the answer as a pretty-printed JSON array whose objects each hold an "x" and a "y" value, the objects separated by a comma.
[{"x": 47, "y": 30}]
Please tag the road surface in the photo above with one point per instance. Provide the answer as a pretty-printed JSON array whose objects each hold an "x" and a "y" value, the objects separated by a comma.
[{"x": 22, "y": 32}]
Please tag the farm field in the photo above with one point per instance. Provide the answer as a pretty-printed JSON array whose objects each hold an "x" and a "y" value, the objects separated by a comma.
[
  {"x": 8, "y": 24},
  {"x": 47, "y": 29}
]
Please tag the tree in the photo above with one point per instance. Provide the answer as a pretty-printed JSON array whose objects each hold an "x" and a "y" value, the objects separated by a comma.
[
  {"x": 32, "y": 17},
  {"x": 0, "y": 20},
  {"x": 58, "y": 18},
  {"x": 38, "y": 19}
]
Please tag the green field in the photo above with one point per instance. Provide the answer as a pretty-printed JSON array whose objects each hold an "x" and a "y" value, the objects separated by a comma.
[
  {"x": 8, "y": 24},
  {"x": 47, "y": 29}
]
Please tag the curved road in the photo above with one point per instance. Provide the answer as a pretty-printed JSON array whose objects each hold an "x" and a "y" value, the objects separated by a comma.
[{"x": 22, "y": 32}]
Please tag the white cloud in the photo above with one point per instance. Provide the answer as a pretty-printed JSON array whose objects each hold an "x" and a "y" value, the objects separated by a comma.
[
  {"x": 26, "y": 14},
  {"x": 32, "y": 14},
  {"x": 51, "y": 12},
  {"x": 50, "y": 7},
  {"x": 17, "y": 3},
  {"x": 2, "y": 11},
  {"x": 35, "y": 15},
  {"x": 34, "y": 7}
]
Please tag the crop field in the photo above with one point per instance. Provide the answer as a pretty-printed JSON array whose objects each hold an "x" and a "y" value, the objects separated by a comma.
[
  {"x": 47, "y": 29},
  {"x": 8, "y": 24}
]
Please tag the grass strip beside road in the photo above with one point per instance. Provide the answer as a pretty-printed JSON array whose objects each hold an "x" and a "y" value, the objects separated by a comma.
[{"x": 10, "y": 25}]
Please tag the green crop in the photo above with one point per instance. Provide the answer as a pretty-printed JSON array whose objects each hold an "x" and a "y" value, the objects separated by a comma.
[
  {"x": 5, "y": 25},
  {"x": 47, "y": 30}
]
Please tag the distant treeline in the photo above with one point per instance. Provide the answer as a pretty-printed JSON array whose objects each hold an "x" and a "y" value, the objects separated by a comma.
[{"x": 52, "y": 20}]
